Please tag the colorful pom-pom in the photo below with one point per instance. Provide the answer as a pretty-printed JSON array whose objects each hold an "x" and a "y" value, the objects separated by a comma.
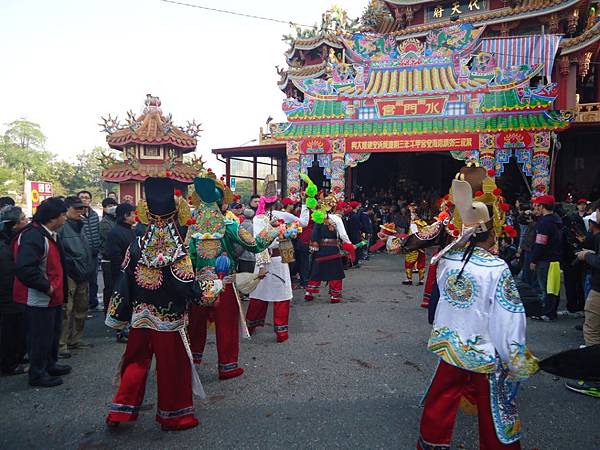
[
  {"x": 541, "y": 188},
  {"x": 318, "y": 216},
  {"x": 311, "y": 190},
  {"x": 455, "y": 233},
  {"x": 497, "y": 191},
  {"x": 178, "y": 192},
  {"x": 311, "y": 203},
  {"x": 449, "y": 203},
  {"x": 168, "y": 173},
  {"x": 478, "y": 194},
  {"x": 447, "y": 197},
  {"x": 209, "y": 170},
  {"x": 491, "y": 173},
  {"x": 137, "y": 219},
  {"x": 505, "y": 207},
  {"x": 191, "y": 222},
  {"x": 451, "y": 227}
]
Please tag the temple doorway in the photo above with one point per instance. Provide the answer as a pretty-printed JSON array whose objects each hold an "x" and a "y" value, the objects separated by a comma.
[{"x": 404, "y": 174}]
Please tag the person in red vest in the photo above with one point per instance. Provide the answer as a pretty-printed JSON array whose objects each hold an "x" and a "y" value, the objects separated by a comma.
[{"x": 40, "y": 284}]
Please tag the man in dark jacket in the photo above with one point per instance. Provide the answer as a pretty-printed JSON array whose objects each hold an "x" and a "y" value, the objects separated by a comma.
[
  {"x": 79, "y": 264},
  {"x": 40, "y": 285},
  {"x": 12, "y": 315},
  {"x": 119, "y": 238},
  {"x": 547, "y": 252},
  {"x": 352, "y": 225},
  {"x": 91, "y": 230},
  {"x": 591, "y": 326},
  {"x": 109, "y": 218}
]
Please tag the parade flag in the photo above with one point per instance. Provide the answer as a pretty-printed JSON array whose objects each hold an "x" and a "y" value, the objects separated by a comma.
[{"x": 525, "y": 50}]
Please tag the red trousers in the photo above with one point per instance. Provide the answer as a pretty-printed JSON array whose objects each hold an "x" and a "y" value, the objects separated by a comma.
[
  {"x": 226, "y": 315},
  {"x": 257, "y": 311},
  {"x": 173, "y": 375},
  {"x": 415, "y": 259},
  {"x": 441, "y": 404},
  {"x": 335, "y": 290}
]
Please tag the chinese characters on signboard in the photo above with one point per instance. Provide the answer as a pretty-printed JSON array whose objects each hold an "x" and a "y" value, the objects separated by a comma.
[
  {"x": 426, "y": 106},
  {"x": 455, "y": 8},
  {"x": 35, "y": 193},
  {"x": 465, "y": 141}
]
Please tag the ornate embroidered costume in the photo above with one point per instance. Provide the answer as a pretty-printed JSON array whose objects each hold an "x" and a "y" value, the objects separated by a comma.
[
  {"x": 212, "y": 239},
  {"x": 416, "y": 258},
  {"x": 478, "y": 334},
  {"x": 276, "y": 286},
  {"x": 152, "y": 294}
]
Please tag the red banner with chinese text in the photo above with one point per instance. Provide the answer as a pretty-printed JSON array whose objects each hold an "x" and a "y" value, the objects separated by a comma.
[{"x": 420, "y": 143}]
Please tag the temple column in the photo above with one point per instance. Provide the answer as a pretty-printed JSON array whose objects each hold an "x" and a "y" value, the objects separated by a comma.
[
  {"x": 293, "y": 166},
  {"x": 338, "y": 167},
  {"x": 540, "y": 181}
]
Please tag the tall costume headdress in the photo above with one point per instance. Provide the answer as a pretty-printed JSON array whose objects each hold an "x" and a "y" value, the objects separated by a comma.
[
  {"x": 473, "y": 213},
  {"x": 269, "y": 196}
]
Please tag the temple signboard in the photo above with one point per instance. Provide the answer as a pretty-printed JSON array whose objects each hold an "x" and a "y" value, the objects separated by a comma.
[
  {"x": 455, "y": 8},
  {"x": 424, "y": 106}
]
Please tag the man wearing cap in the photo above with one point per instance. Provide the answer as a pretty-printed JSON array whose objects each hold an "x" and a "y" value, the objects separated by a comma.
[
  {"x": 152, "y": 295},
  {"x": 289, "y": 204},
  {"x": 79, "y": 264},
  {"x": 579, "y": 216},
  {"x": 547, "y": 252},
  {"x": 591, "y": 325},
  {"x": 109, "y": 208}
]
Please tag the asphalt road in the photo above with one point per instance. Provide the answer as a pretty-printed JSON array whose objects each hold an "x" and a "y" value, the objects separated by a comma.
[{"x": 351, "y": 376}]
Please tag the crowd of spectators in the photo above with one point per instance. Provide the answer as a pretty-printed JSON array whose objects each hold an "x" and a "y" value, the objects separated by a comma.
[{"x": 48, "y": 279}]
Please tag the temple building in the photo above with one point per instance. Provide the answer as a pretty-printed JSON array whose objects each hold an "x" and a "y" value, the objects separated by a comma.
[
  {"x": 151, "y": 146},
  {"x": 416, "y": 85}
]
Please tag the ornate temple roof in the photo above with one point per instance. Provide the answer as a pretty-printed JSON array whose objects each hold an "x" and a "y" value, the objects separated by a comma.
[
  {"x": 585, "y": 39},
  {"x": 301, "y": 73},
  {"x": 150, "y": 128},
  {"x": 528, "y": 8},
  {"x": 124, "y": 171},
  {"x": 322, "y": 37}
]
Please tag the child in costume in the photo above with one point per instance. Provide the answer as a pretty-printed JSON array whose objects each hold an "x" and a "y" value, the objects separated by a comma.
[
  {"x": 276, "y": 285},
  {"x": 152, "y": 294},
  {"x": 479, "y": 327},
  {"x": 416, "y": 258},
  {"x": 212, "y": 238}
]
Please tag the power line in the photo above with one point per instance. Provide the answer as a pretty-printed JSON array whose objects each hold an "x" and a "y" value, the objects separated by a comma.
[
  {"x": 289, "y": 22},
  {"x": 235, "y": 13}
]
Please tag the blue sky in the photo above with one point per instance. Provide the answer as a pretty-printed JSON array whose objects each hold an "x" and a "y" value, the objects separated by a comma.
[{"x": 65, "y": 63}]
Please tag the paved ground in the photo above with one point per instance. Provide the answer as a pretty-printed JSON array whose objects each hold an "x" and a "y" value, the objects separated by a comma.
[{"x": 351, "y": 376}]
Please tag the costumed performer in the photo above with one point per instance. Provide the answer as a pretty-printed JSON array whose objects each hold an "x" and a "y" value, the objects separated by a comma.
[
  {"x": 327, "y": 262},
  {"x": 212, "y": 240},
  {"x": 276, "y": 285},
  {"x": 478, "y": 332},
  {"x": 152, "y": 294},
  {"x": 416, "y": 258}
]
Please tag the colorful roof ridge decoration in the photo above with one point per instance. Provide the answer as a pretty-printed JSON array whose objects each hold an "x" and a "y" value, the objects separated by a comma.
[
  {"x": 445, "y": 84},
  {"x": 124, "y": 171},
  {"x": 150, "y": 128},
  {"x": 550, "y": 120}
]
